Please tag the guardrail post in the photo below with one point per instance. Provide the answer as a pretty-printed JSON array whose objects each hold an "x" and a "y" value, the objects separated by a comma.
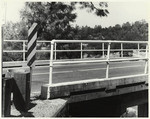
[
  {"x": 138, "y": 49},
  {"x": 55, "y": 51},
  {"x": 103, "y": 50},
  {"x": 24, "y": 50},
  {"x": 121, "y": 49},
  {"x": 146, "y": 61},
  {"x": 81, "y": 51},
  {"x": 51, "y": 63},
  {"x": 108, "y": 57}
]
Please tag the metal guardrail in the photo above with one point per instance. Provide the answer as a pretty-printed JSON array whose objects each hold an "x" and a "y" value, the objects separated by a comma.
[
  {"x": 53, "y": 52},
  {"x": 81, "y": 50},
  {"x": 107, "y": 60},
  {"x": 24, "y": 47}
]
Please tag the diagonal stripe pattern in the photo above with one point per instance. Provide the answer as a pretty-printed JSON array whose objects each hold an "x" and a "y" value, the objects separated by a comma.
[{"x": 31, "y": 53}]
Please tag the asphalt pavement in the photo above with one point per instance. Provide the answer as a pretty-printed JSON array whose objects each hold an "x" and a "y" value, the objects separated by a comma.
[{"x": 84, "y": 71}]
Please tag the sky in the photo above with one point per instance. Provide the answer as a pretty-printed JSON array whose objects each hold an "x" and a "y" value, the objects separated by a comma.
[{"x": 120, "y": 12}]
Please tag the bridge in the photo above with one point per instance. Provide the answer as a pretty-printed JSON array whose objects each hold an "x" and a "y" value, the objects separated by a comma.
[{"x": 98, "y": 82}]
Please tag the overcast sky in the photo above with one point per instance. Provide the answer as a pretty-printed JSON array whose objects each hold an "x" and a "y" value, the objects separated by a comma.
[{"x": 120, "y": 12}]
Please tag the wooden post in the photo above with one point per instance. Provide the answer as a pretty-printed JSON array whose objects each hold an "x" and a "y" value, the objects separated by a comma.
[
  {"x": 6, "y": 96},
  {"x": 31, "y": 54},
  {"x": 30, "y": 80}
]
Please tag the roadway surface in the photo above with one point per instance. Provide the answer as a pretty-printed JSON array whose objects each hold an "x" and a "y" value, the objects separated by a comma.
[{"x": 84, "y": 71}]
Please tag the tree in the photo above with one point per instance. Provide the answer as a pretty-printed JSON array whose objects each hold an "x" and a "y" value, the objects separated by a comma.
[
  {"x": 15, "y": 31},
  {"x": 101, "y": 11},
  {"x": 54, "y": 17},
  {"x": 139, "y": 30}
]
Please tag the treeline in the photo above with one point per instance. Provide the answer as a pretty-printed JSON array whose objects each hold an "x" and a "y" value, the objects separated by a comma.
[{"x": 137, "y": 31}]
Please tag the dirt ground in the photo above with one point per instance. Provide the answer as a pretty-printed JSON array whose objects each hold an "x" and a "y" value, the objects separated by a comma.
[{"x": 39, "y": 107}]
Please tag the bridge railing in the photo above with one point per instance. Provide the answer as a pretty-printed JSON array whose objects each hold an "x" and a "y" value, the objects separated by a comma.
[
  {"x": 105, "y": 50},
  {"x": 107, "y": 59},
  {"x": 23, "y": 50},
  {"x": 81, "y": 50}
]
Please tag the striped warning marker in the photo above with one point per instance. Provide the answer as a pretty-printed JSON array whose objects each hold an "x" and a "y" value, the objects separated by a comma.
[{"x": 31, "y": 53}]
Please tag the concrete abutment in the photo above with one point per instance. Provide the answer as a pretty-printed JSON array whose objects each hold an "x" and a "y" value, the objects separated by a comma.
[{"x": 102, "y": 98}]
